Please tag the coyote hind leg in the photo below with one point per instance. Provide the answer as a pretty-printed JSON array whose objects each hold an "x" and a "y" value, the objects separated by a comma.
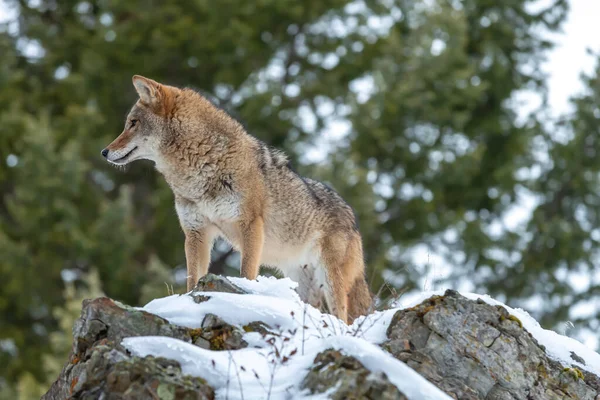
[
  {"x": 333, "y": 259},
  {"x": 346, "y": 293}
]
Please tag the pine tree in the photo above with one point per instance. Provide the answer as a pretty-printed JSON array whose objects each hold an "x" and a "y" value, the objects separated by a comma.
[
  {"x": 438, "y": 137},
  {"x": 558, "y": 260}
]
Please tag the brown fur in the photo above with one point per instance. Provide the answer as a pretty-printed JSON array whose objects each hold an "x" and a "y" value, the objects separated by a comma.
[{"x": 229, "y": 184}]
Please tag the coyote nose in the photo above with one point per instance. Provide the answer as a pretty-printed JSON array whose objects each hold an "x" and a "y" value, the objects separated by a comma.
[{"x": 105, "y": 152}]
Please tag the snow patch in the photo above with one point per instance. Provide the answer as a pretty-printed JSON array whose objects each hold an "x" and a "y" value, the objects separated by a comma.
[
  {"x": 268, "y": 286},
  {"x": 223, "y": 369}
]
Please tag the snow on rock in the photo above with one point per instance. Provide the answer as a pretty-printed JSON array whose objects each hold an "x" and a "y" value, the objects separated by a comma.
[
  {"x": 302, "y": 333},
  {"x": 268, "y": 286},
  {"x": 217, "y": 368},
  {"x": 234, "y": 338},
  {"x": 274, "y": 365}
]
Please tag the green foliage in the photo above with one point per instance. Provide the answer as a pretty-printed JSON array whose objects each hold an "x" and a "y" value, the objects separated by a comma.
[
  {"x": 431, "y": 155},
  {"x": 159, "y": 281},
  {"x": 562, "y": 252},
  {"x": 59, "y": 342}
]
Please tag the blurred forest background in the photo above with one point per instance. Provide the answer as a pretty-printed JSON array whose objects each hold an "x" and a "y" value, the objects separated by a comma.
[{"x": 407, "y": 107}]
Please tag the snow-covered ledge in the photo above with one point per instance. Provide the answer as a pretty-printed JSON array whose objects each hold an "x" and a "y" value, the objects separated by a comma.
[{"x": 239, "y": 339}]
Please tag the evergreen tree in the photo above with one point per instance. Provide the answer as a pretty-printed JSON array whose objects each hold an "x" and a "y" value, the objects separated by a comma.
[
  {"x": 438, "y": 137},
  {"x": 558, "y": 261}
]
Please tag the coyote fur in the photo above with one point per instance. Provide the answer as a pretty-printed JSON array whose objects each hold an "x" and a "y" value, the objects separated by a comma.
[{"x": 229, "y": 184}]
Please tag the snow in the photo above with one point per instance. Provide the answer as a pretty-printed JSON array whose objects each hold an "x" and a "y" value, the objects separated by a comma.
[
  {"x": 303, "y": 332},
  {"x": 216, "y": 367},
  {"x": 275, "y": 368}
]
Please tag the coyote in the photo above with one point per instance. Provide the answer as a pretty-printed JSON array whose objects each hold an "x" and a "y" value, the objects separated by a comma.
[{"x": 229, "y": 184}]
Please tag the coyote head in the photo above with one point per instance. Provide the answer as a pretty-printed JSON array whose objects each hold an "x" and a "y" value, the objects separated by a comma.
[{"x": 146, "y": 124}]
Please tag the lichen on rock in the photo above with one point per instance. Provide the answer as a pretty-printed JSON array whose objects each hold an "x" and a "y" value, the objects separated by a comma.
[
  {"x": 221, "y": 335},
  {"x": 344, "y": 377},
  {"x": 473, "y": 350}
]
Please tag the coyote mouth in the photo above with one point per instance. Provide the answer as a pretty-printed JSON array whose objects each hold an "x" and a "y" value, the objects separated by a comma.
[{"x": 125, "y": 156}]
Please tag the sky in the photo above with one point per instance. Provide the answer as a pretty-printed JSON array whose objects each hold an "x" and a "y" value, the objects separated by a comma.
[
  {"x": 565, "y": 63},
  {"x": 3, "y": 11}
]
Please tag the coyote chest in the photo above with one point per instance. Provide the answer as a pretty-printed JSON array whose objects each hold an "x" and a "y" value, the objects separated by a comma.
[
  {"x": 207, "y": 210},
  {"x": 219, "y": 212}
]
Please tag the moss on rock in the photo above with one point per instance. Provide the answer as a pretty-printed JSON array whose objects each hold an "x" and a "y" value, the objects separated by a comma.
[{"x": 344, "y": 377}]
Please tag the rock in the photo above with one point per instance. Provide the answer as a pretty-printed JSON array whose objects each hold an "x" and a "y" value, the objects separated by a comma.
[
  {"x": 344, "y": 377},
  {"x": 220, "y": 335},
  {"x": 472, "y": 350},
  {"x": 98, "y": 364},
  {"x": 103, "y": 318},
  {"x": 100, "y": 368},
  {"x": 259, "y": 327},
  {"x": 469, "y": 349},
  {"x": 216, "y": 283},
  {"x": 115, "y": 375}
]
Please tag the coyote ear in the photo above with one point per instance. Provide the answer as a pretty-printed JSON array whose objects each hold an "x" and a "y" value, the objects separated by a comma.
[{"x": 148, "y": 90}]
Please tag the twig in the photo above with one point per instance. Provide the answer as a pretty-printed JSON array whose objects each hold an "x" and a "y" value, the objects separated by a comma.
[
  {"x": 304, "y": 325},
  {"x": 317, "y": 327},
  {"x": 237, "y": 372},
  {"x": 228, "y": 375},
  {"x": 271, "y": 380},
  {"x": 170, "y": 290},
  {"x": 371, "y": 309},
  {"x": 426, "y": 273},
  {"x": 258, "y": 379},
  {"x": 369, "y": 327}
]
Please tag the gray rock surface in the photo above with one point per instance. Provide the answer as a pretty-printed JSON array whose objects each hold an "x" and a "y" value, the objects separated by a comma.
[
  {"x": 216, "y": 283},
  {"x": 472, "y": 350},
  {"x": 99, "y": 367}
]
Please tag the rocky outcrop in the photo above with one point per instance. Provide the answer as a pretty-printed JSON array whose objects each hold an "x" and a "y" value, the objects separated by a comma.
[
  {"x": 472, "y": 350},
  {"x": 469, "y": 349},
  {"x": 99, "y": 367},
  {"x": 350, "y": 378}
]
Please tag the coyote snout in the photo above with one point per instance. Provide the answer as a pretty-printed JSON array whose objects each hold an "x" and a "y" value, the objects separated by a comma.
[
  {"x": 229, "y": 184},
  {"x": 123, "y": 149}
]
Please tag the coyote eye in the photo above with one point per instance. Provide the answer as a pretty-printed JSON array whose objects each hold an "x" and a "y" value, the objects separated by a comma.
[{"x": 132, "y": 123}]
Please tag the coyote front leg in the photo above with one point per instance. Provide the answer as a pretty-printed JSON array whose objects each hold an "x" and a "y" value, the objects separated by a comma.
[
  {"x": 198, "y": 245},
  {"x": 253, "y": 236}
]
